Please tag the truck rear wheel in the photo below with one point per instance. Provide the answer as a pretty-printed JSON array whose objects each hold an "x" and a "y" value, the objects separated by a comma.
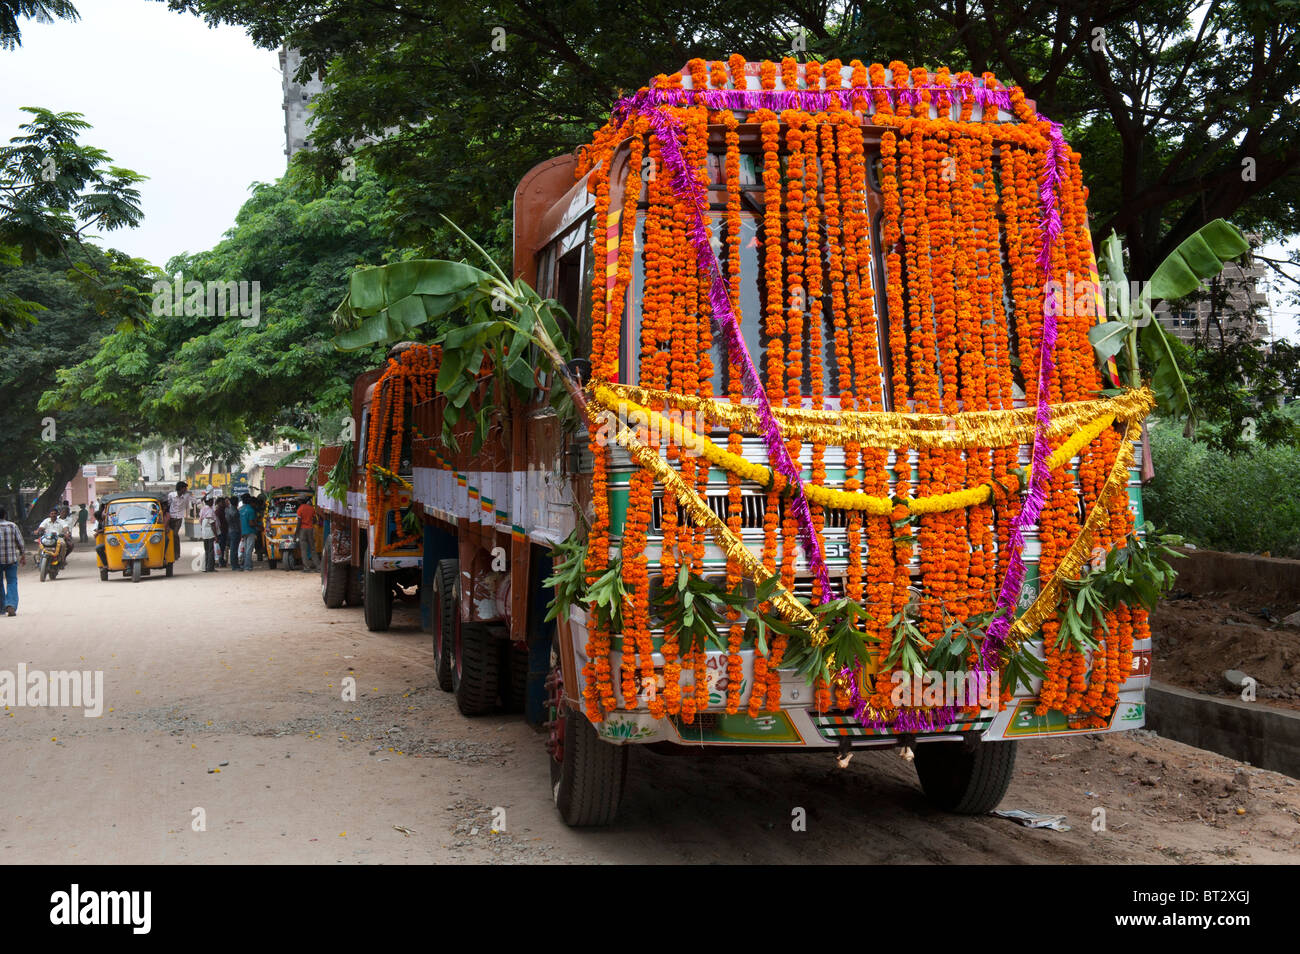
[
  {"x": 587, "y": 774},
  {"x": 355, "y": 591},
  {"x": 335, "y": 587},
  {"x": 379, "y": 601},
  {"x": 514, "y": 669},
  {"x": 475, "y": 674},
  {"x": 969, "y": 778},
  {"x": 446, "y": 606}
]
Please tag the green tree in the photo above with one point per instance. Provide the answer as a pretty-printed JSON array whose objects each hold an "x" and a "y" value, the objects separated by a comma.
[
  {"x": 43, "y": 445},
  {"x": 53, "y": 191},
  {"x": 217, "y": 378},
  {"x": 42, "y": 11},
  {"x": 1181, "y": 120}
]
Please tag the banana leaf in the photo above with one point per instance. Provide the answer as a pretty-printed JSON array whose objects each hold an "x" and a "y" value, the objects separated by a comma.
[{"x": 1200, "y": 256}]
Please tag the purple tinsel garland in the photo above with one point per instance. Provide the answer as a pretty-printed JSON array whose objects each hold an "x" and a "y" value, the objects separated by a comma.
[{"x": 687, "y": 188}]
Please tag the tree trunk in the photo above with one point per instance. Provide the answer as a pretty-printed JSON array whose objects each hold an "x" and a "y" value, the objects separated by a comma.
[{"x": 49, "y": 500}]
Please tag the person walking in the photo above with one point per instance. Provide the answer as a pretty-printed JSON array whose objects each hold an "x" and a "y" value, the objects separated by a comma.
[
  {"x": 233, "y": 534},
  {"x": 12, "y": 554},
  {"x": 178, "y": 505},
  {"x": 82, "y": 516},
  {"x": 258, "y": 501},
  {"x": 307, "y": 535},
  {"x": 223, "y": 530},
  {"x": 247, "y": 530},
  {"x": 208, "y": 534}
]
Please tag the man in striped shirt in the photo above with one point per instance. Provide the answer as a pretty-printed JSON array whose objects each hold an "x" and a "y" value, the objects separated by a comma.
[{"x": 12, "y": 553}]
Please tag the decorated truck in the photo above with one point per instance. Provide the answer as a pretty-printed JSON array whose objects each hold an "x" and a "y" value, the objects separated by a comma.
[
  {"x": 373, "y": 546},
  {"x": 787, "y": 431}
]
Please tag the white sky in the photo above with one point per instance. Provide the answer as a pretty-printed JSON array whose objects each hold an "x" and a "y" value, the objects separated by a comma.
[{"x": 199, "y": 111}]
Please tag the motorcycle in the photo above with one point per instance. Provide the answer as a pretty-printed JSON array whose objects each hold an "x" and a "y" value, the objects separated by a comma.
[{"x": 52, "y": 555}]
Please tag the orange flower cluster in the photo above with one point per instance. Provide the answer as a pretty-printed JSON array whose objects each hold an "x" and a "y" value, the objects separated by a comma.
[
  {"x": 408, "y": 379},
  {"x": 961, "y": 313}
]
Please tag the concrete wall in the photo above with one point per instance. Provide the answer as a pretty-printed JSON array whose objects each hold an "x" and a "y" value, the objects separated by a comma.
[
  {"x": 1247, "y": 731},
  {"x": 1207, "y": 571}
]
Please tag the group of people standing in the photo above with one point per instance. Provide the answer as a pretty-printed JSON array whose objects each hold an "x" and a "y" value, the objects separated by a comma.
[{"x": 232, "y": 532}]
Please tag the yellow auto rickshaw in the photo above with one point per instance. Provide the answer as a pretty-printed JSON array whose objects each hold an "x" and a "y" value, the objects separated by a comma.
[
  {"x": 133, "y": 538},
  {"x": 280, "y": 525}
]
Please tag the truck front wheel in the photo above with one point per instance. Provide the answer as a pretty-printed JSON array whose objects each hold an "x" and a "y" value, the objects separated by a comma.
[
  {"x": 587, "y": 774},
  {"x": 967, "y": 778}
]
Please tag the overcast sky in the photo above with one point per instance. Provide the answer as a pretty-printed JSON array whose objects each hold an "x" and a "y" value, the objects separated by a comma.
[{"x": 198, "y": 111}]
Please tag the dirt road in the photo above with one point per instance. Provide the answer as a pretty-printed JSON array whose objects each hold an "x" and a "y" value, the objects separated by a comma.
[{"x": 244, "y": 674}]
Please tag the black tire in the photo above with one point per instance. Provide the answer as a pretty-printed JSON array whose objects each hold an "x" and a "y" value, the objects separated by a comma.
[
  {"x": 475, "y": 673},
  {"x": 335, "y": 588},
  {"x": 103, "y": 575},
  {"x": 352, "y": 582},
  {"x": 45, "y": 568},
  {"x": 271, "y": 563},
  {"x": 136, "y": 569},
  {"x": 168, "y": 571},
  {"x": 966, "y": 778},
  {"x": 379, "y": 602},
  {"x": 288, "y": 560},
  {"x": 446, "y": 606},
  {"x": 514, "y": 682},
  {"x": 587, "y": 780}
]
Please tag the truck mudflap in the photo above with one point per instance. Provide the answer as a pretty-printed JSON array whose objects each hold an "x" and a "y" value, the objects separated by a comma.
[{"x": 797, "y": 725}]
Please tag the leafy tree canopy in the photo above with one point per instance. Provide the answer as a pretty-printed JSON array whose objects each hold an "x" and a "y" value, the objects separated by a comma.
[
  {"x": 42, "y": 11},
  {"x": 53, "y": 191},
  {"x": 43, "y": 446},
  {"x": 1185, "y": 110},
  {"x": 216, "y": 371}
]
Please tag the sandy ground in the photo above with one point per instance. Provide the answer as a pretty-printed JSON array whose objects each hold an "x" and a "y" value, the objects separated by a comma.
[{"x": 244, "y": 673}]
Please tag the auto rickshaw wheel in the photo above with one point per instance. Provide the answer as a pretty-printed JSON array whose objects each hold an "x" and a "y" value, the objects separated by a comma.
[
  {"x": 169, "y": 569},
  {"x": 136, "y": 568},
  {"x": 271, "y": 563},
  {"x": 103, "y": 575},
  {"x": 288, "y": 560}
]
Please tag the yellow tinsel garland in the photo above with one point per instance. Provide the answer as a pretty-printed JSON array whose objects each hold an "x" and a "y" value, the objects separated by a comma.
[
  {"x": 890, "y": 429},
  {"x": 840, "y": 499}
]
